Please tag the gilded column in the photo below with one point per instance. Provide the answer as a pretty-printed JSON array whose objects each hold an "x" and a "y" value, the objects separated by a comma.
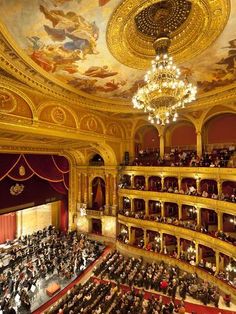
[
  {"x": 107, "y": 206},
  {"x": 131, "y": 204},
  {"x": 178, "y": 247},
  {"x": 79, "y": 188},
  {"x": 145, "y": 238},
  {"x": 146, "y": 208},
  {"x": 197, "y": 252},
  {"x": 162, "y": 145},
  {"x": 85, "y": 188},
  {"x": 162, "y": 241},
  {"x": 199, "y": 143},
  {"x": 199, "y": 216},
  {"x": 217, "y": 255},
  {"x": 114, "y": 196},
  {"x": 132, "y": 181},
  {"x": 219, "y": 186},
  {"x": 162, "y": 182},
  {"x": 179, "y": 182},
  {"x": 162, "y": 209},
  {"x": 220, "y": 221},
  {"x": 120, "y": 202},
  {"x": 179, "y": 211},
  {"x": 90, "y": 195},
  {"x": 198, "y": 185},
  {"x": 146, "y": 182}
]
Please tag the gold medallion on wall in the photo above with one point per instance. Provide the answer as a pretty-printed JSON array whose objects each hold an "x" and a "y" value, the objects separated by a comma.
[
  {"x": 8, "y": 102},
  {"x": 58, "y": 115},
  {"x": 193, "y": 26}
]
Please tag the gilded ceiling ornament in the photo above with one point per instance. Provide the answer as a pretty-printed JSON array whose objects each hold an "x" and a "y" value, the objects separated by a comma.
[
  {"x": 7, "y": 101},
  {"x": 194, "y": 26}
]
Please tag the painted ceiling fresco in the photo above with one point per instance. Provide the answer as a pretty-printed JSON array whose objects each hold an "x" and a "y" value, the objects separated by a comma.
[{"x": 67, "y": 38}]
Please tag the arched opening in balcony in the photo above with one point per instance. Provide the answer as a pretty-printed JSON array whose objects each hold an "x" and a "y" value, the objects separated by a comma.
[
  {"x": 189, "y": 216},
  {"x": 188, "y": 186},
  {"x": 138, "y": 235},
  {"x": 209, "y": 220},
  {"x": 96, "y": 160},
  {"x": 153, "y": 241},
  {"x": 139, "y": 206},
  {"x": 126, "y": 204},
  {"x": 188, "y": 251},
  {"x": 229, "y": 191},
  {"x": 207, "y": 259},
  {"x": 170, "y": 184},
  {"x": 139, "y": 182},
  {"x": 154, "y": 183},
  {"x": 123, "y": 235},
  {"x": 170, "y": 245},
  {"x": 208, "y": 188},
  {"x": 229, "y": 226},
  {"x": 171, "y": 210},
  {"x": 125, "y": 181},
  {"x": 154, "y": 208}
]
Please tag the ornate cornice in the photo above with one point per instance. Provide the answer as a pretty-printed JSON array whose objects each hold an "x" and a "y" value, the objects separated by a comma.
[{"x": 203, "y": 25}]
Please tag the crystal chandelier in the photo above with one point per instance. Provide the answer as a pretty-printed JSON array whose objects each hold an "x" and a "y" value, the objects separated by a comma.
[{"x": 164, "y": 92}]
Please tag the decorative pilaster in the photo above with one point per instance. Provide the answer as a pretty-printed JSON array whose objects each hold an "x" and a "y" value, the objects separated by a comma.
[
  {"x": 219, "y": 187},
  {"x": 179, "y": 182},
  {"x": 217, "y": 255},
  {"x": 197, "y": 253},
  {"x": 107, "y": 206},
  {"x": 79, "y": 188},
  {"x": 179, "y": 211},
  {"x": 90, "y": 195},
  {"x": 220, "y": 221},
  {"x": 146, "y": 182},
  {"x": 132, "y": 181},
  {"x": 178, "y": 247},
  {"x": 146, "y": 208},
  {"x": 199, "y": 143},
  {"x": 162, "y": 209},
  {"x": 199, "y": 216},
  {"x": 85, "y": 189},
  {"x": 162, "y": 143},
  {"x": 131, "y": 204}
]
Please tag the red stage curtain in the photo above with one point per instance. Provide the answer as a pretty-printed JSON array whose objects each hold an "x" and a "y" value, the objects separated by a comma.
[
  {"x": 64, "y": 215},
  {"x": 61, "y": 163},
  {"x": 7, "y": 227},
  {"x": 7, "y": 162},
  {"x": 21, "y": 171},
  {"x": 44, "y": 167},
  {"x": 59, "y": 187}
]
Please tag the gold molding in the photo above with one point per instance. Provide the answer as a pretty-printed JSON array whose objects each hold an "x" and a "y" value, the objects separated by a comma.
[{"x": 205, "y": 23}]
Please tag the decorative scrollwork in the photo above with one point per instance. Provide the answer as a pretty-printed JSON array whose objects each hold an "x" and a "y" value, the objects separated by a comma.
[{"x": 7, "y": 101}]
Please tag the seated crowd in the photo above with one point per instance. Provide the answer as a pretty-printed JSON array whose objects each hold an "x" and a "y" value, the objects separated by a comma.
[
  {"x": 185, "y": 158},
  {"x": 33, "y": 259},
  {"x": 160, "y": 277},
  {"x": 189, "y": 190},
  {"x": 189, "y": 224}
]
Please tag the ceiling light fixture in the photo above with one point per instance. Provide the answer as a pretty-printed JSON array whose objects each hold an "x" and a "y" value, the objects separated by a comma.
[{"x": 164, "y": 92}]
